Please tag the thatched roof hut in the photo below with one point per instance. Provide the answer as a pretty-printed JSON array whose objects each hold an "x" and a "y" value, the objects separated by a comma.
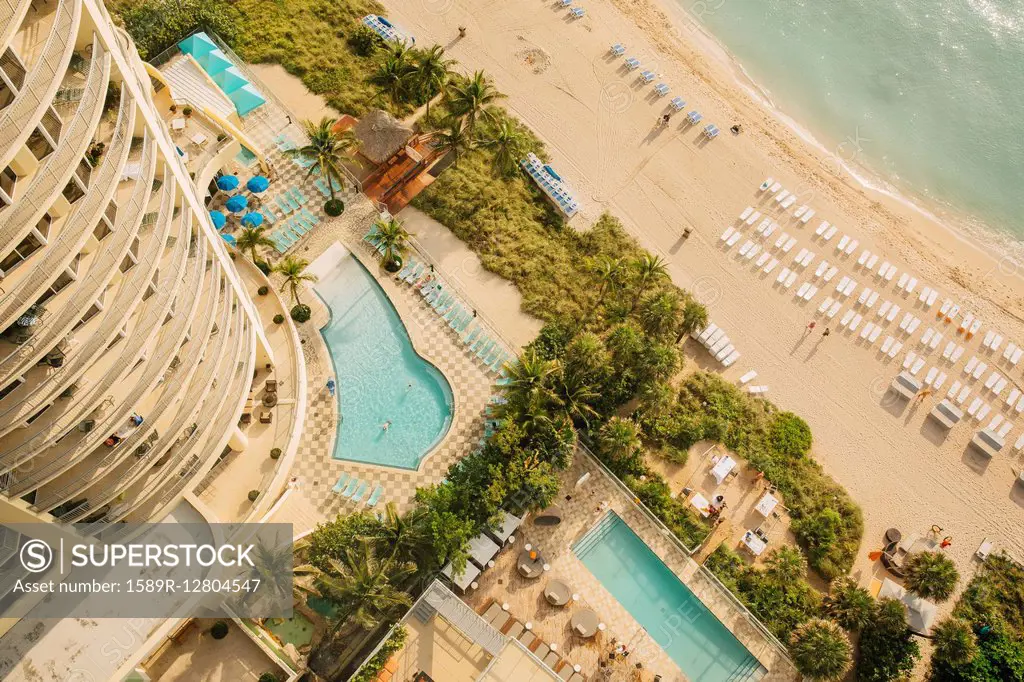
[{"x": 380, "y": 135}]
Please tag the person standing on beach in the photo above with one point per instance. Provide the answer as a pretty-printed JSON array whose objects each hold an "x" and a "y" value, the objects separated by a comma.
[
  {"x": 810, "y": 327},
  {"x": 826, "y": 332}
]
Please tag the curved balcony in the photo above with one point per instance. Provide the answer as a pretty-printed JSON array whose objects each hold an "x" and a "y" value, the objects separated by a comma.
[
  {"x": 18, "y": 120},
  {"x": 86, "y": 214},
  {"x": 12, "y": 13},
  {"x": 58, "y": 167},
  {"x": 221, "y": 367},
  {"x": 174, "y": 382}
]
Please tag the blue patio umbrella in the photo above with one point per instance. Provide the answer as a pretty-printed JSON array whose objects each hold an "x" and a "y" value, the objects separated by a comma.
[
  {"x": 252, "y": 219},
  {"x": 246, "y": 98},
  {"x": 230, "y": 79},
  {"x": 214, "y": 62},
  {"x": 236, "y": 204},
  {"x": 229, "y": 238},
  {"x": 218, "y": 218},
  {"x": 227, "y": 182},
  {"x": 257, "y": 184},
  {"x": 197, "y": 45}
]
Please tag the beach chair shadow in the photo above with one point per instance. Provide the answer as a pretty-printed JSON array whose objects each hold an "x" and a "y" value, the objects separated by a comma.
[
  {"x": 933, "y": 433},
  {"x": 702, "y": 140},
  {"x": 1017, "y": 494},
  {"x": 975, "y": 461}
]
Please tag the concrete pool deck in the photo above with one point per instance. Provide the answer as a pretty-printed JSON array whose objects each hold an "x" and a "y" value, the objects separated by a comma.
[{"x": 582, "y": 506}]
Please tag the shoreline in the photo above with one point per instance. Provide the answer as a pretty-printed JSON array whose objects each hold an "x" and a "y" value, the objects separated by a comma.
[{"x": 970, "y": 229}]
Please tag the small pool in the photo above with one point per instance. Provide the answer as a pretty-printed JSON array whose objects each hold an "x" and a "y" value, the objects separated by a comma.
[
  {"x": 296, "y": 630},
  {"x": 703, "y": 648},
  {"x": 381, "y": 378}
]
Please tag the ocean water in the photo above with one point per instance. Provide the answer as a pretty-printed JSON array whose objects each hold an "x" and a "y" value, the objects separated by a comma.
[
  {"x": 381, "y": 378},
  {"x": 927, "y": 95}
]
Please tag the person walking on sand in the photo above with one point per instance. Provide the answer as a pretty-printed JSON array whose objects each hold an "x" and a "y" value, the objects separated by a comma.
[
  {"x": 462, "y": 31},
  {"x": 810, "y": 327},
  {"x": 826, "y": 332},
  {"x": 924, "y": 393}
]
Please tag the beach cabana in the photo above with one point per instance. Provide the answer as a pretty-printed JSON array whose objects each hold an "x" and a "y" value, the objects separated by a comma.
[
  {"x": 988, "y": 442},
  {"x": 920, "y": 613},
  {"x": 218, "y": 218},
  {"x": 464, "y": 580},
  {"x": 230, "y": 79},
  {"x": 246, "y": 98},
  {"x": 509, "y": 524},
  {"x": 381, "y": 136},
  {"x": 236, "y": 204},
  {"x": 197, "y": 45},
  {"x": 905, "y": 385},
  {"x": 947, "y": 414},
  {"x": 252, "y": 219},
  {"x": 214, "y": 62},
  {"x": 257, "y": 184},
  {"x": 482, "y": 549},
  {"x": 227, "y": 183}
]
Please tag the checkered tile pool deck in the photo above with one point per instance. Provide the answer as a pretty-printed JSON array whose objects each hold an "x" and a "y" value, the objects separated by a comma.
[{"x": 471, "y": 384}]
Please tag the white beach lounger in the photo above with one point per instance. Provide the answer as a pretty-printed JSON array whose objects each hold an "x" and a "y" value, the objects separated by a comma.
[
  {"x": 771, "y": 266},
  {"x": 820, "y": 270},
  {"x": 973, "y": 329},
  {"x": 1016, "y": 446},
  {"x": 996, "y": 342},
  {"x": 781, "y": 240},
  {"x": 732, "y": 357},
  {"x": 962, "y": 395},
  {"x": 895, "y": 349},
  {"x": 834, "y": 310},
  {"x": 775, "y": 187},
  {"x": 766, "y": 184},
  {"x": 734, "y": 238},
  {"x": 911, "y": 285},
  {"x": 802, "y": 289},
  {"x": 871, "y": 262},
  {"x": 729, "y": 231},
  {"x": 914, "y": 324},
  {"x": 973, "y": 407},
  {"x": 893, "y": 312},
  {"x": 748, "y": 377},
  {"x": 790, "y": 201},
  {"x": 1000, "y": 386},
  {"x": 971, "y": 364},
  {"x": 863, "y": 258},
  {"x": 770, "y": 230},
  {"x": 1019, "y": 407},
  {"x": 902, "y": 281},
  {"x": 884, "y": 308},
  {"x": 847, "y": 316},
  {"x": 866, "y": 331},
  {"x": 789, "y": 280},
  {"x": 789, "y": 245},
  {"x": 746, "y": 247},
  {"x": 1004, "y": 429},
  {"x": 983, "y": 412},
  {"x": 948, "y": 350},
  {"x": 830, "y": 232},
  {"x": 800, "y": 255},
  {"x": 979, "y": 370},
  {"x": 939, "y": 380},
  {"x": 708, "y": 331},
  {"x": 850, "y": 287},
  {"x": 1015, "y": 358},
  {"x": 887, "y": 344},
  {"x": 957, "y": 352},
  {"x": 831, "y": 273},
  {"x": 842, "y": 283},
  {"x": 781, "y": 196},
  {"x": 753, "y": 218},
  {"x": 724, "y": 351},
  {"x": 855, "y": 322},
  {"x": 953, "y": 389},
  {"x": 987, "y": 341},
  {"x": 1008, "y": 351},
  {"x": 851, "y": 247},
  {"x": 996, "y": 421},
  {"x": 810, "y": 293},
  {"x": 763, "y": 225},
  {"x": 864, "y": 294},
  {"x": 930, "y": 377},
  {"x": 825, "y": 304},
  {"x": 991, "y": 380},
  {"x": 807, "y": 216},
  {"x": 800, "y": 211},
  {"x": 934, "y": 343},
  {"x": 1013, "y": 397},
  {"x": 762, "y": 259},
  {"x": 821, "y": 228},
  {"x": 782, "y": 276},
  {"x": 843, "y": 241},
  {"x": 909, "y": 360}
]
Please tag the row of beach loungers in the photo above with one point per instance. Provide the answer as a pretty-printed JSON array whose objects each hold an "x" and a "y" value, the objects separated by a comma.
[
  {"x": 577, "y": 12},
  {"x": 551, "y": 184},
  {"x": 872, "y": 315},
  {"x": 460, "y": 316},
  {"x": 512, "y": 628},
  {"x": 352, "y": 489},
  {"x": 694, "y": 117}
]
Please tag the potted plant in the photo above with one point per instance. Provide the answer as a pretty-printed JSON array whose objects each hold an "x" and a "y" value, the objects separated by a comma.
[
  {"x": 187, "y": 111},
  {"x": 254, "y": 495},
  {"x": 275, "y": 453},
  {"x": 219, "y": 629},
  {"x": 263, "y": 290},
  {"x": 334, "y": 207},
  {"x": 269, "y": 677},
  {"x": 278, "y": 319},
  {"x": 392, "y": 241},
  {"x": 174, "y": 108},
  {"x": 301, "y": 312}
]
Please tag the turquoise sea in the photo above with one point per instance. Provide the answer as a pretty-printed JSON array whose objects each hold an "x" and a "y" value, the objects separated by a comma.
[{"x": 927, "y": 95}]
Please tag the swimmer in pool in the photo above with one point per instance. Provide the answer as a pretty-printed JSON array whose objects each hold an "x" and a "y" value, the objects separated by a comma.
[{"x": 386, "y": 425}]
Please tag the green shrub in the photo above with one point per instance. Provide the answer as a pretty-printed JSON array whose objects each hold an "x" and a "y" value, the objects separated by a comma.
[
  {"x": 888, "y": 650},
  {"x": 931, "y": 575},
  {"x": 263, "y": 290},
  {"x": 269, "y": 677},
  {"x": 254, "y": 495},
  {"x": 363, "y": 40},
  {"x": 821, "y": 650},
  {"x": 219, "y": 629},
  {"x": 370, "y": 670},
  {"x": 279, "y": 319},
  {"x": 301, "y": 313},
  {"x": 275, "y": 453},
  {"x": 849, "y": 604},
  {"x": 264, "y": 267}
]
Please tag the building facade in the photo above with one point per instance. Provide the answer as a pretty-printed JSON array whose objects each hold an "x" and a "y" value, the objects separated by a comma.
[{"x": 127, "y": 341}]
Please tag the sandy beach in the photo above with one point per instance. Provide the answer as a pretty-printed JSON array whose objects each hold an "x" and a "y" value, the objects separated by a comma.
[{"x": 598, "y": 122}]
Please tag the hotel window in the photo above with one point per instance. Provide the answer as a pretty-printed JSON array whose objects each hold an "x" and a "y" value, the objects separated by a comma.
[
  {"x": 37, "y": 415},
  {"x": 8, "y": 180},
  {"x": 39, "y": 144},
  {"x": 23, "y": 250},
  {"x": 10, "y": 388},
  {"x": 132, "y": 257},
  {"x": 94, "y": 310},
  {"x": 73, "y": 191}
]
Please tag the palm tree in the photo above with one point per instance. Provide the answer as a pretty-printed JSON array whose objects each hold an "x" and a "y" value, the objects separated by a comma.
[
  {"x": 695, "y": 316},
  {"x": 250, "y": 239},
  {"x": 955, "y": 643},
  {"x": 786, "y": 564},
  {"x": 821, "y": 650},
  {"x": 930, "y": 575},
  {"x": 576, "y": 396},
  {"x": 660, "y": 313},
  {"x": 647, "y": 269},
  {"x": 364, "y": 587},
  {"x": 454, "y": 140},
  {"x": 509, "y": 145},
  {"x": 433, "y": 73},
  {"x": 394, "y": 77},
  {"x": 618, "y": 439},
  {"x": 849, "y": 604},
  {"x": 327, "y": 149},
  {"x": 392, "y": 238},
  {"x": 404, "y": 536},
  {"x": 470, "y": 97},
  {"x": 276, "y": 569},
  {"x": 608, "y": 271},
  {"x": 293, "y": 271},
  {"x": 529, "y": 380}
]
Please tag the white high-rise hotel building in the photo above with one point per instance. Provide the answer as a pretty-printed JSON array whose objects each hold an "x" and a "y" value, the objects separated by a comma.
[{"x": 127, "y": 342}]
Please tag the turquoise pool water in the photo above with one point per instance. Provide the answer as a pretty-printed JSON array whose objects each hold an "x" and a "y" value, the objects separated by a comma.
[
  {"x": 703, "y": 648},
  {"x": 381, "y": 378}
]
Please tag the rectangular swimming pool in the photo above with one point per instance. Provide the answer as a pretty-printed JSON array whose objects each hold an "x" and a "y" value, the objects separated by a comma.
[{"x": 703, "y": 648}]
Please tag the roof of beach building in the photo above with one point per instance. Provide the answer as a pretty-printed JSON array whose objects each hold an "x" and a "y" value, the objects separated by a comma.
[{"x": 380, "y": 135}]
